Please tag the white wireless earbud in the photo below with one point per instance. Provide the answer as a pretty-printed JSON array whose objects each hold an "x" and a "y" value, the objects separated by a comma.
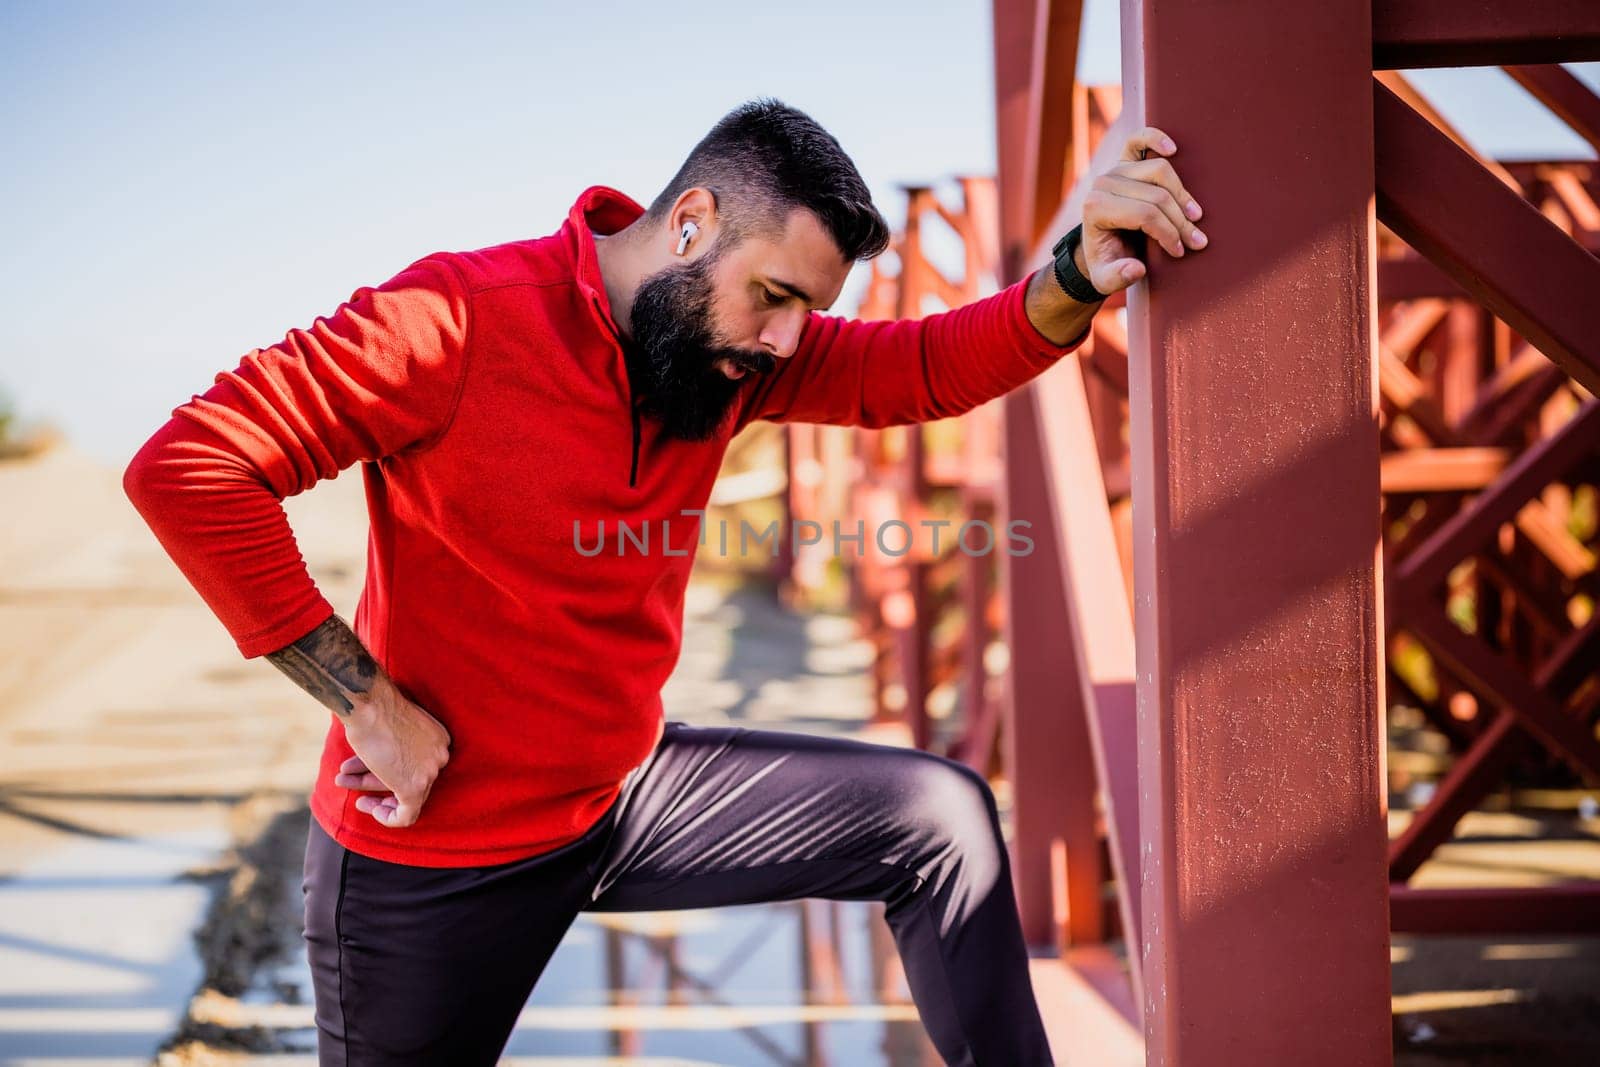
[{"x": 689, "y": 230}]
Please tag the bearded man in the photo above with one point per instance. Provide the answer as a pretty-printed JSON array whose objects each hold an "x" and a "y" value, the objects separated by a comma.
[{"x": 497, "y": 758}]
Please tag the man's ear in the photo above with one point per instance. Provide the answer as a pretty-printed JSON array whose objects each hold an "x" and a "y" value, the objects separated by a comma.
[{"x": 696, "y": 206}]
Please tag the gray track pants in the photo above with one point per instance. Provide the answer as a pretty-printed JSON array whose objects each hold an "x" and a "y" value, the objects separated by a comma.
[{"x": 415, "y": 965}]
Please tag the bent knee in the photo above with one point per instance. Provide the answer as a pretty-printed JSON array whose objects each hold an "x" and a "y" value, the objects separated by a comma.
[{"x": 954, "y": 805}]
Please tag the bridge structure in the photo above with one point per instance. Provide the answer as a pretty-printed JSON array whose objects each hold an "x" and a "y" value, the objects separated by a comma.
[{"x": 1341, "y": 468}]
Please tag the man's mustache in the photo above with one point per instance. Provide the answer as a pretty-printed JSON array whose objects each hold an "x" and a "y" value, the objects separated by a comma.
[{"x": 760, "y": 362}]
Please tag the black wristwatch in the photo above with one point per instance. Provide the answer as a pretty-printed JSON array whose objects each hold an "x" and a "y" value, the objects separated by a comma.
[{"x": 1068, "y": 276}]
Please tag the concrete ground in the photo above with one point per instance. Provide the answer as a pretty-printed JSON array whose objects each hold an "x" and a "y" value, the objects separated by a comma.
[
  {"x": 139, "y": 749},
  {"x": 1502, "y": 1001},
  {"x": 151, "y": 822}
]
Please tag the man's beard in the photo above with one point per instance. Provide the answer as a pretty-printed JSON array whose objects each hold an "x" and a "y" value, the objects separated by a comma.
[{"x": 673, "y": 353}]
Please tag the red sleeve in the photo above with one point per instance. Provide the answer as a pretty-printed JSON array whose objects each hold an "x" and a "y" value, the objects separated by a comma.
[
  {"x": 894, "y": 372},
  {"x": 381, "y": 374}
]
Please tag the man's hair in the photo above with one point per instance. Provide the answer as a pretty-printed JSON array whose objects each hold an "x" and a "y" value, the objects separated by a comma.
[{"x": 763, "y": 160}]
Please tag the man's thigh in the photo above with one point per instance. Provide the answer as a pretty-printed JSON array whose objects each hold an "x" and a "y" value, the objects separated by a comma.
[
  {"x": 723, "y": 815},
  {"x": 414, "y": 965}
]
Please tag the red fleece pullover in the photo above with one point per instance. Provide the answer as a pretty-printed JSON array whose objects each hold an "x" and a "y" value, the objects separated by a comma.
[{"x": 487, "y": 398}]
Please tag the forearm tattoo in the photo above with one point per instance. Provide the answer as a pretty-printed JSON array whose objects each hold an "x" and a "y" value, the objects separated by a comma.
[{"x": 330, "y": 664}]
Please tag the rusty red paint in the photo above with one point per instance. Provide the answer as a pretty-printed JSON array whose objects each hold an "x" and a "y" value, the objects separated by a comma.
[{"x": 1255, "y": 491}]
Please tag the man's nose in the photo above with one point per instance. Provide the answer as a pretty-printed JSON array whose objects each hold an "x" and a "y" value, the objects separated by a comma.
[{"x": 782, "y": 336}]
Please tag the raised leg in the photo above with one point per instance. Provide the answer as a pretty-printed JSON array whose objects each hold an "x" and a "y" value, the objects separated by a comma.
[{"x": 730, "y": 815}]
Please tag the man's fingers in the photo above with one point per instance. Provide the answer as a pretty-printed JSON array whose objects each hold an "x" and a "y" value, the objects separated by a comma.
[
  {"x": 388, "y": 810},
  {"x": 392, "y": 810},
  {"x": 1160, "y": 172},
  {"x": 1148, "y": 139},
  {"x": 368, "y": 781},
  {"x": 353, "y": 774},
  {"x": 373, "y": 805},
  {"x": 1113, "y": 212},
  {"x": 1118, "y": 185},
  {"x": 405, "y": 814}
]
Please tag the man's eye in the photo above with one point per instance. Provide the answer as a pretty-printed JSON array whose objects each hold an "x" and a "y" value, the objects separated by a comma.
[{"x": 770, "y": 298}]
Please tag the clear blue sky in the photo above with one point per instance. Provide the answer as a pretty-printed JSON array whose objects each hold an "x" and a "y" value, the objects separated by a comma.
[{"x": 185, "y": 182}]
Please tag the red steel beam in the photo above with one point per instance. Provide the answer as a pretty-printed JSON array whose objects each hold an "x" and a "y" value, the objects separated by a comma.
[
  {"x": 1498, "y": 680},
  {"x": 1485, "y": 762},
  {"x": 1255, "y": 491},
  {"x": 1051, "y": 464},
  {"x": 1565, "y": 94},
  {"x": 1574, "y": 658},
  {"x": 1527, "y": 362},
  {"x": 1473, "y": 774},
  {"x": 1421, "y": 571},
  {"x": 1047, "y": 741},
  {"x": 1512, "y": 259},
  {"x": 1087, "y": 546},
  {"x": 1109, "y": 360},
  {"x": 1414, "y": 278},
  {"x": 1529, "y": 580},
  {"x": 1050, "y": 125},
  {"x": 1441, "y": 469},
  {"x": 1482, "y": 33},
  {"x": 1558, "y": 909},
  {"x": 1509, "y": 413},
  {"x": 1014, "y": 26},
  {"x": 1396, "y": 83}
]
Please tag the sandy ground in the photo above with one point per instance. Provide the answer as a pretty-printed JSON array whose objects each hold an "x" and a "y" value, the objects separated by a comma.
[{"x": 152, "y": 818}]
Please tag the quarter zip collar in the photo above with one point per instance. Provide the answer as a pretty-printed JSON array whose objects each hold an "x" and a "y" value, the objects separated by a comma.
[{"x": 604, "y": 210}]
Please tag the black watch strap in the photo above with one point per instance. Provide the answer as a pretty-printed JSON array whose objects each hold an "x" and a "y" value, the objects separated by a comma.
[{"x": 1071, "y": 280}]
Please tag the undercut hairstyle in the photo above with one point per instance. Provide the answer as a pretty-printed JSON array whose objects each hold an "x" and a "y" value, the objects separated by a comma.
[{"x": 763, "y": 160}]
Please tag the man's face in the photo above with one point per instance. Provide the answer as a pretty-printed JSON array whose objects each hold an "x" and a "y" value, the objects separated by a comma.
[{"x": 702, "y": 326}]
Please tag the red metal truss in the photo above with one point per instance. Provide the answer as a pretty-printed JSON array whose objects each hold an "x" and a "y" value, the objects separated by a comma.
[
  {"x": 1561, "y": 91},
  {"x": 1058, "y": 870},
  {"x": 1050, "y": 118},
  {"x": 1280, "y": 421},
  {"x": 1258, "y": 389},
  {"x": 1416, "y": 576},
  {"x": 1049, "y": 482},
  {"x": 1497, "y": 246},
  {"x": 1496, "y": 911},
  {"x": 1079, "y": 557},
  {"x": 1478, "y": 33},
  {"x": 1488, "y": 757}
]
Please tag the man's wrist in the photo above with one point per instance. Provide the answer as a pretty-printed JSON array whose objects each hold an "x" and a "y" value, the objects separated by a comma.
[
  {"x": 371, "y": 704},
  {"x": 331, "y": 664},
  {"x": 1055, "y": 315},
  {"x": 1070, "y": 268}
]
